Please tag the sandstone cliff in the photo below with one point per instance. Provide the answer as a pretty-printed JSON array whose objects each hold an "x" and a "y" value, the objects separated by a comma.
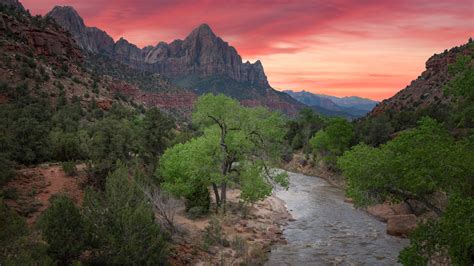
[{"x": 202, "y": 62}]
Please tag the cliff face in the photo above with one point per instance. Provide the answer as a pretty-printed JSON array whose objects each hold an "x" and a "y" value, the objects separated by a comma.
[
  {"x": 427, "y": 89},
  {"x": 89, "y": 39},
  {"x": 43, "y": 40},
  {"x": 202, "y": 62},
  {"x": 13, "y": 4},
  {"x": 202, "y": 53}
]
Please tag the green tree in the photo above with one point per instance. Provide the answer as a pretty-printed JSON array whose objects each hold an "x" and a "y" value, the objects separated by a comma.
[
  {"x": 303, "y": 128},
  {"x": 333, "y": 140},
  {"x": 108, "y": 140},
  {"x": 413, "y": 166},
  {"x": 409, "y": 166},
  {"x": 462, "y": 87},
  {"x": 234, "y": 139},
  {"x": 62, "y": 227},
  {"x": 17, "y": 245},
  {"x": 6, "y": 169},
  {"x": 452, "y": 235},
  {"x": 155, "y": 134},
  {"x": 121, "y": 224}
]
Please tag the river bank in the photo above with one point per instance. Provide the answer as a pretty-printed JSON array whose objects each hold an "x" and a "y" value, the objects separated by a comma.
[{"x": 245, "y": 235}]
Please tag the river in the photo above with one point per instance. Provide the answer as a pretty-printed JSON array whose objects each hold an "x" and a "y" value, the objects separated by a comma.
[{"x": 328, "y": 231}]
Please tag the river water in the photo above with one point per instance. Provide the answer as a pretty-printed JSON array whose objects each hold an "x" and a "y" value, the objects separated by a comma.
[{"x": 328, "y": 231}]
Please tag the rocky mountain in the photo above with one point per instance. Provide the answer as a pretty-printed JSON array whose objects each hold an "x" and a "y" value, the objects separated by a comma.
[
  {"x": 349, "y": 107},
  {"x": 202, "y": 62},
  {"x": 13, "y": 3},
  {"x": 38, "y": 53},
  {"x": 88, "y": 38},
  {"x": 427, "y": 90}
]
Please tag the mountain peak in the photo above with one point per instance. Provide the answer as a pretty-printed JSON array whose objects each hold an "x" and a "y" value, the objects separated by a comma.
[
  {"x": 203, "y": 30},
  {"x": 63, "y": 14},
  {"x": 13, "y": 3}
]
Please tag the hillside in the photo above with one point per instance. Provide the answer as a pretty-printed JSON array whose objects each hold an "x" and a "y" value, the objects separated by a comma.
[
  {"x": 348, "y": 107},
  {"x": 424, "y": 96},
  {"x": 427, "y": 90},
  {"x": 202, "y": 62}
]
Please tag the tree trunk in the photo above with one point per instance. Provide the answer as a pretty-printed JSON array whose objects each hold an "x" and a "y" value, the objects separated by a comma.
[
  {"x": 223, "y": 195},
  {"x": 216, "y": 194}
]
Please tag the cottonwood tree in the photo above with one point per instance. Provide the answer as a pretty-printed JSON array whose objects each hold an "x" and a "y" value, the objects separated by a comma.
[{"x": 238, "y": 145}]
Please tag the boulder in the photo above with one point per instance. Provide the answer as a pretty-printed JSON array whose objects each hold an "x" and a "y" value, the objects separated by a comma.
[
  {"x": 401, "y": 225},
  {"x": 381, "y": 211}
]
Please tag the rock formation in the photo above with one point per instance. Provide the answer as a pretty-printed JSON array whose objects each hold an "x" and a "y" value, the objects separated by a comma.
[
  {"x": 202, "y": 62},
  {"x": 204, "y": 54},
  {"x": 427, "y": 89},
  {"x": 13, "y": 3},
  {"x": 89, "y": 39}
]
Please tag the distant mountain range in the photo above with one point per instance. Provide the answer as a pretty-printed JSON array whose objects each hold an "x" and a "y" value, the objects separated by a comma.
[
  {"x": 349, "y": 107},
  {"x": 201, "y": 63}
]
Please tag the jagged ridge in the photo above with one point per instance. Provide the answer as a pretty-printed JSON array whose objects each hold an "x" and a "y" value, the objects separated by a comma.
[{"x": 202, "y": 62}]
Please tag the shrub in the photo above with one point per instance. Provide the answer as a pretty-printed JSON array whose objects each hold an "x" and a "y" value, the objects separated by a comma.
[
  {"x": 17, "y": 245},
  {"x": 121, "y": 223},
  {"x": 213, "y": 232},
  {"x": 199, "y": 198},
  {"x": 62, "y": 227},
  {"x": 6, "y": 169},
  {"x": 69, "y": 168}
]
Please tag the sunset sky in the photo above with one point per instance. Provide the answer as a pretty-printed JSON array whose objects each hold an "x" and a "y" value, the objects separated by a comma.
[{"x": 366, "y": 48}]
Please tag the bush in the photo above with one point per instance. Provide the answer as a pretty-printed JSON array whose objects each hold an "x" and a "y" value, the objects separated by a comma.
[
  {"x": 451, "y": 236},
  {"x": 62, "y": 227},
  {"x": 213, "y": 232},
  {"x": 333, "y": 140},
  {"x": 17, "y": 245},
  {"x": 121, "y": 223},
  {"x": 6, "y": 169},
  {"x": 199, "y": 198},
  {"x": 69, "y": 168}
]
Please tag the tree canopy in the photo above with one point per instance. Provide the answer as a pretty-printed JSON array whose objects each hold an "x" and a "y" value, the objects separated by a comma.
[
  {"x": 237, "y": 145},
  {"x": 333, "y": 140}
]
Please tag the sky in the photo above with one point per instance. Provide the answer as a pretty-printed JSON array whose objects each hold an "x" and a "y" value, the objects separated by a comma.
[{"x": 367, "y": 48}]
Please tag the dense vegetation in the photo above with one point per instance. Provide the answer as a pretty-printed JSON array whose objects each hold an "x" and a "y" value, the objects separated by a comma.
[
  {"x": 34, "y": 130},
  {"x": 431, "y": 158},
  {"x": 237, "y": 146},
  {"x": 407, "y": 156}
]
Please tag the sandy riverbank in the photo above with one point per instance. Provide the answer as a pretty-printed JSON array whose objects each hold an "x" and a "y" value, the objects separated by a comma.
[{"x": 247, "y": 233}]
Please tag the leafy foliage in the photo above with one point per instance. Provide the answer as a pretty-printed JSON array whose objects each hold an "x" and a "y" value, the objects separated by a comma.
[
  {"x": 235, "y": 139},
  {"x": 462, "y": 87},
  {"x": 414, "y": 165},
  {"x": 417, "y": 162},
  {"x": 17, "y": 245},
  {"x": 333, "y": 140},
  {"x": 452, "y": 235},
  {"x": 62, "y": 227},
  {"x": 303, "y": 128},
  {"x": 121, "y": 225}
]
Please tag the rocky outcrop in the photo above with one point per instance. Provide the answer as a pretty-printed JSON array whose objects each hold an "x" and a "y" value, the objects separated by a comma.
[
  {"x": 47, "y": 41},
  {"x": 427, "y": 89},
  {"x": 89, "y": 39},
  {"x": 176, "y": 101},
  {"x": 202, "y": 53},
  {"x": 13, "y": 3}
]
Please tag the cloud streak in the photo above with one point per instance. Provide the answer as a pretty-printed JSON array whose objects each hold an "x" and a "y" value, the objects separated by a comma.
[{"x": 403, "y": 32}]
